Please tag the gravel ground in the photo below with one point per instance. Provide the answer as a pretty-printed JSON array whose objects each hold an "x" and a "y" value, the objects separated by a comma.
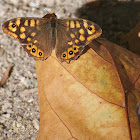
[{"x": 19, "y": 110}]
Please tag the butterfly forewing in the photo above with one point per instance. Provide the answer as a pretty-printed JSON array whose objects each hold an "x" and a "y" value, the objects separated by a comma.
[
  {"x": 73, "y": 35},
  {"x": 32, "y": 33}
]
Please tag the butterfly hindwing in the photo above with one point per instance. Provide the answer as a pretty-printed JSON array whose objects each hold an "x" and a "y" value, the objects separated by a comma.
[
  {"x": 65, "y": 48},
  {"x": 73, "y": 35},
  {"x": 30, "y": 33}
]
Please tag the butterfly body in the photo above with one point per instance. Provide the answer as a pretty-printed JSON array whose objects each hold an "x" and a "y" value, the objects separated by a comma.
[{"x": 39, "y": 36}]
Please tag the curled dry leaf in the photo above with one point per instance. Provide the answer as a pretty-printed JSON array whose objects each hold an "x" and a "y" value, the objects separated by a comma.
[
  {"x": 6, "y": 75},
  {"x": 132, "y": 39},
  {"x": 94, "y": 97}
]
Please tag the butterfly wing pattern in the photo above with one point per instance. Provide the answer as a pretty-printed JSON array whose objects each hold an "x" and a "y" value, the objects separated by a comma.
[
  {"x": 34, "y": 34},
  {"x": 39, "y": 36},
  {"x": 72, "y": 37}
]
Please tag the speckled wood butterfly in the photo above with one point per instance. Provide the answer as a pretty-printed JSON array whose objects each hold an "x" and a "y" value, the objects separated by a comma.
[{"x": 39, "y": 36}]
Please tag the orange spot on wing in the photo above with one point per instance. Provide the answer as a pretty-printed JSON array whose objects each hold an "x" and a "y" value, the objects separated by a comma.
[
  {"x": 37, "y": 22},
  {"x": 75, "y": 48},
  {"x": 76, "y": 41},
  {"x": 77, "y": 24},
  {"x": 64, "y": 55},
  {"x": 34, "y": 53},
  {"x": 72, "y": 55},
  {"x": 13, "y": 29},
  {"x": 91, "y": 31},
  {"x": 81, "y": 31},
  {"x": 72, "y": 35},
  {"x": 70, "y": 43},
  {"x": 32, "y": 23},
  {"x": 85, "y": 23},
  {"x": 28, "y": 39},
  {"x": 67, "y": 23},
  {"x": 72, "y": 25},
  {"x": 22, "y": 36},
  {"x": 29, "y": 46},
  {"x": 40, "y": 53},
  {"x": 82, "y": 38},
  {"x": 18, "y": 21},
  {"x": 93, "y": 36},
  {"x": 26, "y": 23},
  {"x": 33, "y": 34},
  {"x": 35, "y": 41},
  {"x": 22, "y": 29}
]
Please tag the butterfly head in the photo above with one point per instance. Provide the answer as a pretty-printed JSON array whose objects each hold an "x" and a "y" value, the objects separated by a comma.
[{"x": 50, "y": 15}]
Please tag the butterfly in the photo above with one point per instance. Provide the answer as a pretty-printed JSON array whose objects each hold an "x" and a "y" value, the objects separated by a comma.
[{"x": 39, "y": 36}]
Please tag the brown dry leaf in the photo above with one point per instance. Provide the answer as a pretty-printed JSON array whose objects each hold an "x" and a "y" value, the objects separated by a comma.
[
  {"x": 92, "y": 98},
  {"x": 6, "y": 75},
  {"x": 94, "y": 4},
  {"x": 132, "y": 39}
]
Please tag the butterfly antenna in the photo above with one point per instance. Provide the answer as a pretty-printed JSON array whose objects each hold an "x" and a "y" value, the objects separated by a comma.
[
  {"x": 60, "y": 8},
  {"x": 43, "y": 7}
]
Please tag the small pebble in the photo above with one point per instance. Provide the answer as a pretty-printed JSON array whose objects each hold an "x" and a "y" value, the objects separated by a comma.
[{"x": 36, "y": 124}]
